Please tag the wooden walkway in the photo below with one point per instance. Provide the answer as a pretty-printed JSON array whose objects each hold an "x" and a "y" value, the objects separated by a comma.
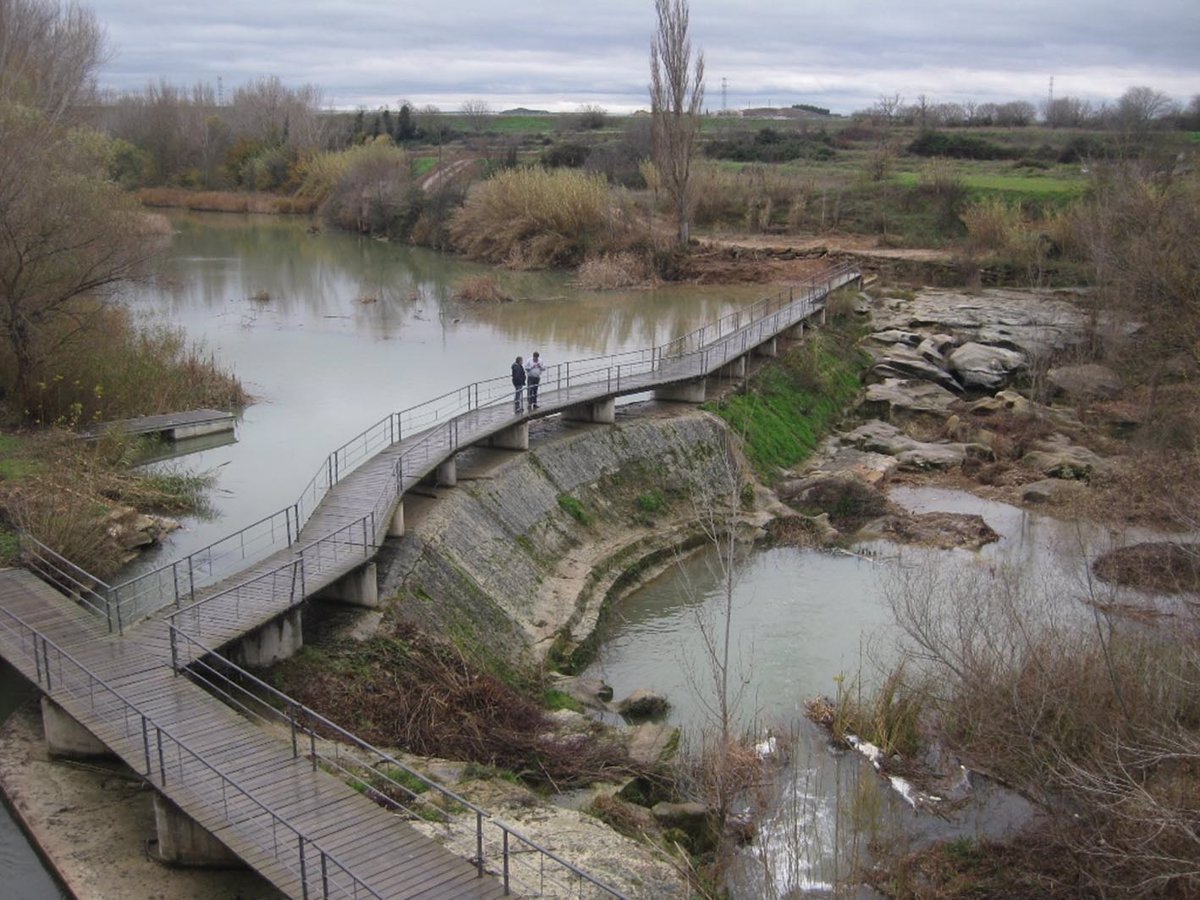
[
  {"x": 173, "y": 426},
  {"x": 309, "y": 833}
]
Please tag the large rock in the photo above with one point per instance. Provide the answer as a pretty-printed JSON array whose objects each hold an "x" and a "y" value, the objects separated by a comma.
[
  {"x": 904, "y": 399},
  {"x": 1040, "y": 323},
  {"x": 643, "y": 704},
  {"x": 692, "y": 821},
  {"x": 848, "y": 501},
  {"x": 1057, "y": 457},
  {"x": 1089, "y": 381},
  {"x": 943, "y": 530},
  {"x": 652, "y": 743},
  {"x": 882, "y": 437},
  {"x": 1052, "y": 490},
  {"x": 904, "y": 363},
  {"x": 895, "y": 336},
  {"x": 984, "y": 366}
]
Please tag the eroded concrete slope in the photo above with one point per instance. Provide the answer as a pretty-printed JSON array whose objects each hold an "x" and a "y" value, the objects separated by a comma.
[{"x": 519, "y": 557}]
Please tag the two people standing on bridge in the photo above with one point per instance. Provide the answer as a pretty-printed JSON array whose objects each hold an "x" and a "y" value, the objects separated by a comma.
[{"x": 525, "y": 378}]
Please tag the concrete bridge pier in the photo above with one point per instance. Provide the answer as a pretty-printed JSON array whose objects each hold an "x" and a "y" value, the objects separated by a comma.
[
  {"x": 357, "y": 588},
  {"x": 735, "y": 368},
  {"x": 794, "y": 333},
  {"x": 682, "y": 391},
  {"x": 768, "y": 349},
  {"x": 603, "y": 412},
  {"x": 396, "y": 525},
  {"x": 276, "y": 640},
  {"x": 65, "y": 737},
  {"x": 514, "y": 437},
  {"x": 183, "y": 842},
  {"x": 445, "y": 475}
]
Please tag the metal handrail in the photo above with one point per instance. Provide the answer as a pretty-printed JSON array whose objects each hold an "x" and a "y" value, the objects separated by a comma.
[
  {"x": 296, "y": 716},
  {"x": 157, "y": 744}
]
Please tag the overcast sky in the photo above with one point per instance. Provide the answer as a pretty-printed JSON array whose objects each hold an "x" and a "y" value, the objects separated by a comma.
[{"x": 560, "y": 55}]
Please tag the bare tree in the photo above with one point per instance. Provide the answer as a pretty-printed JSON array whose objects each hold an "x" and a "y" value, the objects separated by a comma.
[
  {"x": 476, "y": 112},
  {"x": 676, "y": 98},
  {"x": 888, "y": 107},
  {"x": 48, "y": 54},
  {"x": 1140, "y": 108},
  {"x": 68, "y": 235}
]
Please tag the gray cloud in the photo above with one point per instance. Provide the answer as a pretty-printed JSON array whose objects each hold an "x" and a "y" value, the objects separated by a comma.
[{"x": 563, "y": 54}]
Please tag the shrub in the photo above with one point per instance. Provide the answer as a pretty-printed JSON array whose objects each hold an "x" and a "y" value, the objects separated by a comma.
[
  {"x": 480, "y": 289},
  {"x": 612, "y": 271},
  {"x": 115, "y": 369},
  {"x": 369, "y": 189},
  {"x": 957, "y": 146},
  {"x": 532, "y": 218},
  {"x": 565, "y": 156},
  {"x": 769, "y": 145}
]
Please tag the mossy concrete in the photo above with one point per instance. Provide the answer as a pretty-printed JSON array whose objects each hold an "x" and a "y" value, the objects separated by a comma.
[{"x": 518, "y": 560}]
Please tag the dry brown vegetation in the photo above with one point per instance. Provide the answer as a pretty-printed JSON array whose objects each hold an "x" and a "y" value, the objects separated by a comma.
[
  {"x": 66, "y": 492},
  {"x": 531, "y": 218},
  {"x": 1096, "y": 720},
  {"x": 413, "y": 692},
  {"x": 225, "y": 201},
  {"x": 480, "y": 289},
  {"x": 612, "y": 271}
]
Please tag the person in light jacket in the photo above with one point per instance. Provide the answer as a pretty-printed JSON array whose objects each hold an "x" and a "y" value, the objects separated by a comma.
[{"x": 533, "y": 375}]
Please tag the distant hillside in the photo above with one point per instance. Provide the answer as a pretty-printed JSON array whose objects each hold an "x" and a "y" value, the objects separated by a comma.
[{"x": 522, "y": 111}]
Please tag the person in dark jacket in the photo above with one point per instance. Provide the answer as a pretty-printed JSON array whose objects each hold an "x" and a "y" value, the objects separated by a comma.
[{"x": 518, "y": 375}]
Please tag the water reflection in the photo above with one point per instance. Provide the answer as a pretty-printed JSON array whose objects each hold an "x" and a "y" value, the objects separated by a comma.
[{"x": 351, "y": 329}]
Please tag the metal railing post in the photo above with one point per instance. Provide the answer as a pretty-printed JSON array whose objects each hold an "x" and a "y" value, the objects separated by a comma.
[
  {"x": 479, "y": 842},
  {"x": 174, "y": 648},
  {"x": 506, "y": 890},
  {"x": 303, "y": 872}
]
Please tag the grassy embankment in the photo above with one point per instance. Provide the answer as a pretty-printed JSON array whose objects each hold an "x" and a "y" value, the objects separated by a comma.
[
  {"x": 788, "y": 407},
  {"x": 63, "y": 490}
]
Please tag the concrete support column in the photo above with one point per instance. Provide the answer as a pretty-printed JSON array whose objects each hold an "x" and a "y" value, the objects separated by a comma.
[
  {"x": 357, "y": 588},
  {"x": 602, "y": 411},
  {"x": 825, "y": 311},
  {"x": 515, "y": 437},
  {"x": 396, "y": 525},
  {"x": 278, "y": 639},
  {"x": 769, "y": 348},
  {"x": 735, "y": 369},
  {"x": 796, "y": 332},
  {"x": 65, "y": 737},
  {"x": 445, "y": 475},
  {"x": 181, "y": 842},
  {"x": 682, "y": 392}
]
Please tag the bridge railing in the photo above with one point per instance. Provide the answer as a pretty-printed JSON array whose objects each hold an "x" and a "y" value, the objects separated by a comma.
[
  {"x": 175, "y": 768},
  {"x": 524, "y": 866},
  {"x": 78, "y": 584},
  {"x": 687, "y": 356}
]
